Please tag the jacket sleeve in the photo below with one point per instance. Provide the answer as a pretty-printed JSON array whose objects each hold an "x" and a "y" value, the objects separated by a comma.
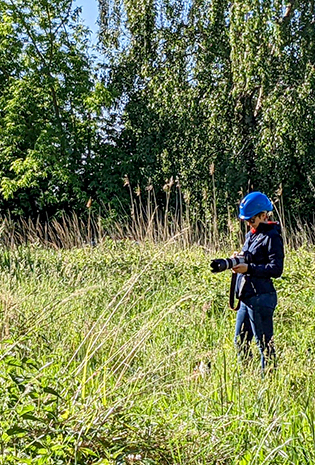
[{"x": 274, "y": 267}]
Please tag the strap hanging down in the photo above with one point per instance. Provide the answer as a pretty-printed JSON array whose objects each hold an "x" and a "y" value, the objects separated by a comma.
[{"x": 232, "y": 293}]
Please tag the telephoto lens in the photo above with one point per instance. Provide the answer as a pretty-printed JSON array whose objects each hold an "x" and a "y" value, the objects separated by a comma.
[{"x": 222, "y": 264}]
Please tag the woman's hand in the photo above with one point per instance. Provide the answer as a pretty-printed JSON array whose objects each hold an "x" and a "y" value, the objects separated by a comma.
[{"x": 241, "y": 268}]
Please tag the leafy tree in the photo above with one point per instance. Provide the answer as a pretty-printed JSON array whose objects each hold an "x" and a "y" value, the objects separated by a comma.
[
  {"x": 220, "y": 84},
  {"x": 53, "y": 110},
  {"x": 218, "y": 95}
]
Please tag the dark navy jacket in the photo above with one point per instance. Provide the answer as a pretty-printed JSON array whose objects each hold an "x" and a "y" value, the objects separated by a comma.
[{"x": 265, "y": 248}]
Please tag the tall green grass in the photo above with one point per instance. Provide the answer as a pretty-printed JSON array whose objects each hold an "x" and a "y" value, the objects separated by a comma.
[{"x": 100, "y": 349}]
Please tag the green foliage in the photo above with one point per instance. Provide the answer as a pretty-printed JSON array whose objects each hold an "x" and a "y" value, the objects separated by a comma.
[
  {"x": 53, "y": 104},
  {"x": 216, "y": 95},
  {"x": 97, "y": 357},
  {"x": 223, "y": 83}
]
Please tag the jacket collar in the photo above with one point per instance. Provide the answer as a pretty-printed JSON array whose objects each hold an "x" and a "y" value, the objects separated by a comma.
[{"x": 264, "y": 227}]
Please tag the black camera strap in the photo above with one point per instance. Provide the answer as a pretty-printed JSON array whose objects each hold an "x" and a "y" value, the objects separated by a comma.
[{"x": 232, "y": 293}]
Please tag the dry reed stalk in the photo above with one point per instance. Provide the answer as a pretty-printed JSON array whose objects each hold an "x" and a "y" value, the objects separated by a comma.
[
  {"x": 281, "y": 215},
  {"x": 167, "y": 189},
  {"x": 150, "y": 213},
  {"x": 230, "y": 228},
  {"x": 147, "y": 222},
  {"x": 7, "y": 305},
  {"x": 179, "y": 218},
  {"x": 215, "y": 214}
]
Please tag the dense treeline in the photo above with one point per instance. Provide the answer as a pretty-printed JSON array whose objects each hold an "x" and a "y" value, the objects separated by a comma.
[
  {"x": 55, "y": 151},
  {"x": 216, "y": 95}
]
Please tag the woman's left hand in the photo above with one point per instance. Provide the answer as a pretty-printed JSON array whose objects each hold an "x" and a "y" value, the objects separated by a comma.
[{"x": 241, "y": 268}]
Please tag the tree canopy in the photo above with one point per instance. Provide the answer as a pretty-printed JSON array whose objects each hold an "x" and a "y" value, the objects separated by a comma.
[
  {"x": 214, "y": 94},
  {"x": 220, "y": 84},
  {"x": 53, "y": 110}
]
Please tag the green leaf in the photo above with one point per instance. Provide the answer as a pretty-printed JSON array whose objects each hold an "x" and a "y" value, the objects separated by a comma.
[
  {"x": 15, "y": 430},
  {"x": 26, "y": 409},
  {"x": 13, "y": 361},
  {"x": 87, "y": 451},
  {"x": 50, "y": 390},
  {"x": 28, "y": 416},
  {"x": 42, "y": 451},
  {"x": 17, "y": 379}
]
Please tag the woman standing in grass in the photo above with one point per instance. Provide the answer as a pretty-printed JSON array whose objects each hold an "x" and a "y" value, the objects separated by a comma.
[{"x": 264, "y": 247}]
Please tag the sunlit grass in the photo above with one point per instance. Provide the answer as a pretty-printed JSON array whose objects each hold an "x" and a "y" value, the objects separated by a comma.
[{"x": 98, "y": 350}]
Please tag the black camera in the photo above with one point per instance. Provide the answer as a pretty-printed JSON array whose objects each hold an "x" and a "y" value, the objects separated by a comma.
[{"x": 222, "y": 264}]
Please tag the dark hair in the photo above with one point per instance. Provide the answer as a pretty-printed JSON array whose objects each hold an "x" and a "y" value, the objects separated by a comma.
[{"x": 259, "y": 214}]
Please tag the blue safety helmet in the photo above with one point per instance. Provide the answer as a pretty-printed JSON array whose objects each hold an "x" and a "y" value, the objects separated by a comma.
[{"x": 254, "y": 203}]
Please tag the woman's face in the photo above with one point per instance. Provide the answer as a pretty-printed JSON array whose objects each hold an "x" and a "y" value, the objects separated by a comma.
[{"x": 256, "y": 220}]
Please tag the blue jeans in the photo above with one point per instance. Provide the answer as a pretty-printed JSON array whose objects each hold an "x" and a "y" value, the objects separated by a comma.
[{"x": 255, "y": 318}]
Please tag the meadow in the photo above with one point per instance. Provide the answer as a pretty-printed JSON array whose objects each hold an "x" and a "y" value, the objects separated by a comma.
[{"x": 123, "y": 353}]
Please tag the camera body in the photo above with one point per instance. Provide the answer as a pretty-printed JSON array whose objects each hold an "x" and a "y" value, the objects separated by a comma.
[{"x": 221, "y": 264}]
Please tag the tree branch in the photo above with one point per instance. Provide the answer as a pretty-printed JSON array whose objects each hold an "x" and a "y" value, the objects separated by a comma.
[
  {"x": 288, "y": 12},
  {"x": 28, "y": 31}
]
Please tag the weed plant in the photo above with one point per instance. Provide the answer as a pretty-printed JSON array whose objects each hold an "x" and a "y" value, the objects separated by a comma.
[{"x": 123, "y": 353}]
